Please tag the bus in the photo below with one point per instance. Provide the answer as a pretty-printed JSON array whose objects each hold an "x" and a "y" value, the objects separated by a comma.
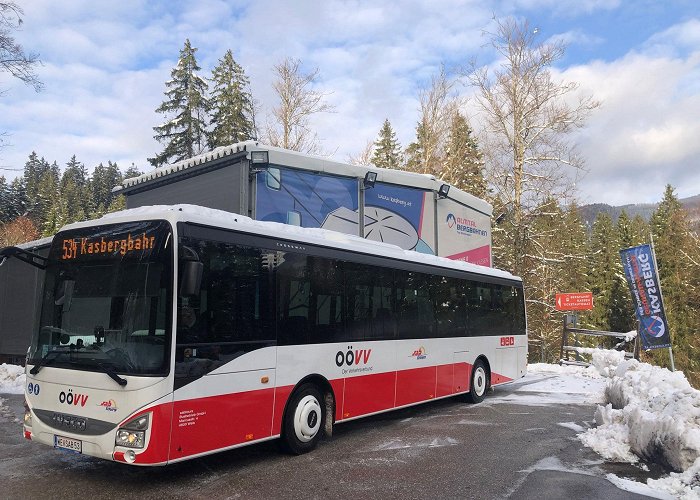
[{"x": 171, "y": 332}]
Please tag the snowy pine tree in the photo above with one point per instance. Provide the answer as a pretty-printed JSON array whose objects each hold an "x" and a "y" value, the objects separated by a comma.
[
  {"x": 103, "y": 180},
  {"x": 387, "y": 151},
  {"x": 17, "y": 198},
  {"x": 678, "y": 260},
  {"x": 35, "y": 169},
  {"x": 4, "y": 200},
  {"x": 417, "y": 152},
  {"x": 232, "y": 106},
  {"x": 605, "y": 266},
  {"x": 75, "y": 193},
  {"x": 463, "y": 165},
  {"x": 186, "y": 107}
]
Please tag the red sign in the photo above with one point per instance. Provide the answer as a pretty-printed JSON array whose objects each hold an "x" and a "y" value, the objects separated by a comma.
[{"x": 580, "y": 301}]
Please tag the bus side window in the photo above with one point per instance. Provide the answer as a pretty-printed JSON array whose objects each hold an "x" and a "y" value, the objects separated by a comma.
[
  {"x": 294, "y": 297},
  {"x": 414, "y": 306},
  {"x": 326, "y": 304},
  {"x": 450, "y": 307}
]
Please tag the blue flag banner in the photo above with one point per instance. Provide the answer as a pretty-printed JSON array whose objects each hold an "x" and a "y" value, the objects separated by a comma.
[{"x": 640, "y": 270}]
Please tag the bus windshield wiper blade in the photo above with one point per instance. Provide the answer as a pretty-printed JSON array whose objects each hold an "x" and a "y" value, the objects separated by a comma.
[
  {"x": 109, "y": 370},
  {"x": 44, "y": 361}
]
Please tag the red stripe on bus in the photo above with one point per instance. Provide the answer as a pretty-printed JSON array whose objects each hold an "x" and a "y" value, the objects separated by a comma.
[
  {"x": 207, "y": 424},
  {"x": 417, "y": 384}
]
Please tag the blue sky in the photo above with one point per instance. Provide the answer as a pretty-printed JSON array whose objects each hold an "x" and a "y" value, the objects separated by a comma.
[{"x": 105, "y": 65}]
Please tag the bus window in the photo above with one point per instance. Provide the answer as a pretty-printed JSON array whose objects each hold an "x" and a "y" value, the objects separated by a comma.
[
  {"x": 450, "y": 306},
  {"x": 326, "y": 300},
  {"x": 414, "y": 305},
  {"x": 293, "y": 295},
  {"x": 369, "y": 302}
]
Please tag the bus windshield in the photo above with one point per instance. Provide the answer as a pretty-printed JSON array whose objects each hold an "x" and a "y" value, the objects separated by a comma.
[{"x": 106, "y": 302}]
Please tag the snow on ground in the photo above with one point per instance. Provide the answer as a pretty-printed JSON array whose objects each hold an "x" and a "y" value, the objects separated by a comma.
[
  {"x": 643, "y": 411},
  {"x": 11, "y": 379}
]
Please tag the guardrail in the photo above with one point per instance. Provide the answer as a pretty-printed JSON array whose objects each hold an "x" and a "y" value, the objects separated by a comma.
[{"x": 566, "y": 348}]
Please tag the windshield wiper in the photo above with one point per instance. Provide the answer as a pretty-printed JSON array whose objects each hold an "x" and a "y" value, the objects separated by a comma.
[
  {"x": 44, "y": 361},
  {"x": 109, "y": 370}
]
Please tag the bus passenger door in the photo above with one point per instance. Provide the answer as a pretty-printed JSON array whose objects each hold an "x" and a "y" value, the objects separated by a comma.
[{"x": 226, "y": 355}]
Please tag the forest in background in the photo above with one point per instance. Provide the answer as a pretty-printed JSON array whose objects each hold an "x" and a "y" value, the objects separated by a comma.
[{"x": 520, "y": 159}]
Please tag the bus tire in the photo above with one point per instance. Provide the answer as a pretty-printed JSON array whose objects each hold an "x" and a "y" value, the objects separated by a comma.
[
  {"x": 304, "y": 420},
  {"x": 479, "y": 383}
]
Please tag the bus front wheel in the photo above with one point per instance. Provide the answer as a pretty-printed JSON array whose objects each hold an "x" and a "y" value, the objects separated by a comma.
[
  {"x": 479, "y": 382},
  {"x": 304, "y": 420}
]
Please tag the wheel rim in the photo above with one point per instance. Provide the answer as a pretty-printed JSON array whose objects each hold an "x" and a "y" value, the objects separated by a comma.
[
  {"x": 307, "y": 418},
  {"x": 479, "y": 380}
]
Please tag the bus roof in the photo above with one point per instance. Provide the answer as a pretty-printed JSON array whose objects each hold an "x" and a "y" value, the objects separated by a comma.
[{"x": 312, "y": 236}]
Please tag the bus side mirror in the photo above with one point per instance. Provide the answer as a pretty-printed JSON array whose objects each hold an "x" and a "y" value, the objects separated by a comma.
[{"x": 191, "y": 278}]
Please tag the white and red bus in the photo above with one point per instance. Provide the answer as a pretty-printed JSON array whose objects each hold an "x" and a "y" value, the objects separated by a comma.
[{"x": 168, "y": 333}]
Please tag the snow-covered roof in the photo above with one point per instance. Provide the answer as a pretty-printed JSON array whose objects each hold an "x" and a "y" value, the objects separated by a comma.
[
  {"x": 166, "y": 170},
  {"x": 294, "y": 159},
  {"x": 36, "y": 243},
  {"x": 322, "y": 237}
]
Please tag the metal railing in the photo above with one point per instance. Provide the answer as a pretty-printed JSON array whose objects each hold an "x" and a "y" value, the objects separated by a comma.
[{"x": 570, "y": 328}]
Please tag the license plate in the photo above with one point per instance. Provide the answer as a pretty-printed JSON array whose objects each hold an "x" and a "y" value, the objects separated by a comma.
[{"x": 69, "y": 444}]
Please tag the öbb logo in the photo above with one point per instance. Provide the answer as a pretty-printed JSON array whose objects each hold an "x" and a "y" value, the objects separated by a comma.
[
  {"x": 72, "y": 399},
  {"x": 351, "y": 357}
]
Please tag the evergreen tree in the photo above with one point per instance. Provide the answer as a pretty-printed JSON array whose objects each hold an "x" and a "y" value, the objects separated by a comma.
[
  {"x": 48, "y": 193},
  {"x": 678, "y": 261},
  {"x": 554, "y": 262},
  {"x": 464, "y": 164},
  {"x": 186, "y": 107},
  {"x": 4, "y": 200},
  {"x": 622, "y": 312},
  {"x": 103, "y": 180},
  {"x": 34, "y": 172},
  {"x": 387, "y": 151},
  {"x": 639, "y": 231},
  {"x": 232, "y": 104},
  {"x": 56, "y": 217},
  {"x": 575, "y": 251},
  {"x": 132, "y": 171},
  {"x": 17, "y": 205},
  {"x": 605, "y": 266},
  {"x": 416, "y": 153},
  {"x": 75, "y": 191}
]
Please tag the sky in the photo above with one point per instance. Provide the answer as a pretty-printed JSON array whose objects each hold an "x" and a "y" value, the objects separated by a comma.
[
  {"x": 105, "y": 64},
  {"x": 640, "y": 410}
]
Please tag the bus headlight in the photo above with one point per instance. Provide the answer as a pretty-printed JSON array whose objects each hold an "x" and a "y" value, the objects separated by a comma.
[
  {"x": 130, "y": 439},
  {"x": 133, "y": 433}
]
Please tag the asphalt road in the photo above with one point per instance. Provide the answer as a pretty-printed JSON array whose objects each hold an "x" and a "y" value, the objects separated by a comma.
[{"x": 443, "y": 449}]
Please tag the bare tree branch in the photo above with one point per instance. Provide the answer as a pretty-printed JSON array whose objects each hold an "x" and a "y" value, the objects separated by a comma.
[
  {"x": 298, "y": 101},
  {"x": 13, "y": 59}
]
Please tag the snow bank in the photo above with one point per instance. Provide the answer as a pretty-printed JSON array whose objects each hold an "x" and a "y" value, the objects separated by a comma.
[
  {"x": 650, "y": 412},
  {"x": 12, "y": 379}
]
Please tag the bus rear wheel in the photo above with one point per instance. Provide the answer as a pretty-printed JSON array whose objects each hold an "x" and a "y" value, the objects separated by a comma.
[
  {"x": 479, "y": 382},
  {"x": 304, "y": 420}
]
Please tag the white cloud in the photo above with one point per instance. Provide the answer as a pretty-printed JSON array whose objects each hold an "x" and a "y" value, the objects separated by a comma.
[
  {"x": 105, "y": 65},
  {"x": 645, "y": 134}
]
